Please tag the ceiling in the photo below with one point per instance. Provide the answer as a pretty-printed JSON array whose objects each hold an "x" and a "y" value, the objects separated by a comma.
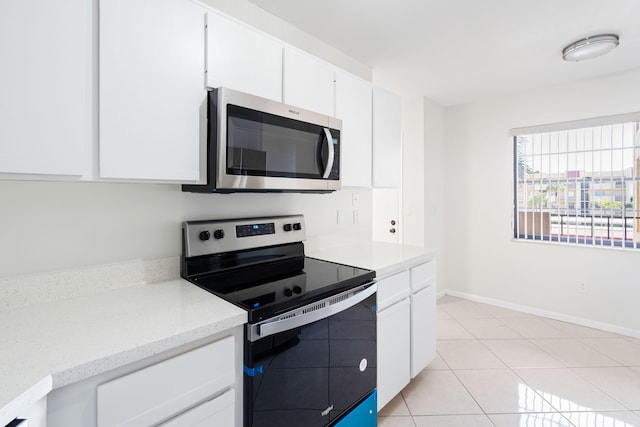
[{"x": 460, "y": 51}]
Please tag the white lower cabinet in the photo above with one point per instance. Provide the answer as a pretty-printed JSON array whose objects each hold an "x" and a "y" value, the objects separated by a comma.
[
  {"x": 200, "y": 385},
  {"x": 423, "y": 328},
  {"x": 394, "y": 342},
  {"x": 166, "y": 389},
  {"x": 218, "y": 411},
  {"x": 406, "y": 328}
]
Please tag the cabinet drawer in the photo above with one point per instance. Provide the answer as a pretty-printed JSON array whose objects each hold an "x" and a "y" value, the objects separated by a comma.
[
  {"x": 423, "y": 275},
  {"x": 217, "y": 412},
  {"x": 393, "y": 289},
  {"x": 153, "y": 394}
]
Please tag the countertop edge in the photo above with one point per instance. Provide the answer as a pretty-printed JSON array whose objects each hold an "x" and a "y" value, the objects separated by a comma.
[
  {"x": 384, "y": 272},
  {"x": 95, "y": 367},
  {"x": 385, "y": 258}
]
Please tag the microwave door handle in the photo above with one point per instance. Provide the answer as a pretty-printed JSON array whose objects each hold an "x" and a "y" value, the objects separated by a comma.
[{"x": 327, "y": 170}]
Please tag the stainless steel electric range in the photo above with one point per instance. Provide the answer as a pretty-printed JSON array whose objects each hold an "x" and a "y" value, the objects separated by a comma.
[{"x": 310, "y": 343}]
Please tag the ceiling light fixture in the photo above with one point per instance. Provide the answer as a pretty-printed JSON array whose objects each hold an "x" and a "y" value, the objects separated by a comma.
[{"x": 590, "y": 47}]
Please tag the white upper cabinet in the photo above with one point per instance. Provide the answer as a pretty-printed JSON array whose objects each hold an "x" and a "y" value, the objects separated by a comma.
[
  {"x": 353, "y": 106},
  {"x": 243, "y": 59},
  {"x": 387, "y": 139},
  {"x": 152, "y": 89},
  {"x": 308, "y": 82},
  {"x": 45, "y": 106}
]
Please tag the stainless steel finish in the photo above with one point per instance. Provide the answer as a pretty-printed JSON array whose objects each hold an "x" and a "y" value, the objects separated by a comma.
[
  {"x": 193, "y": 246},
  {"x": 311, "y": 313},
  {"x": 332, "y": 185},
  {"x": 224, "y": 181},
  {"x": 327, "y": 170}
]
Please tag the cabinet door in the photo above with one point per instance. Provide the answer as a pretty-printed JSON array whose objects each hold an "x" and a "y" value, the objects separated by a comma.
[
  {"x": 152, "y": 92},
  {"x": 242, "y": 59},
  {"x": 160, "y": 391},
  {"x": 394, "y": 341},
  {"x": 308, "y": 82},
  {"x": 387, "y": 139},
  {"x": 353, "y": 106},
  {"x": 45, "y": 107},
  {"x": 217, "y": 412},
  {"x": 423, "y": 328}
]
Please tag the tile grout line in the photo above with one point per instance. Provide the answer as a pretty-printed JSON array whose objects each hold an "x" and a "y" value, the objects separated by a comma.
[
  {"x": 508, "y": 368},
  {"x": 574, "y": 335}
]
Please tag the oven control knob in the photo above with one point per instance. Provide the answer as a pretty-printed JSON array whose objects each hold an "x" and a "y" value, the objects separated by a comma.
[
  {"x": 297, "y": 226},
  {"x": 287, "y": 227},
  {"x": 205, "y": 235},
  {"x": 288, "y": 292},
  {"x": 297, "y": 289},
  {"x": 218, "y": 234}
]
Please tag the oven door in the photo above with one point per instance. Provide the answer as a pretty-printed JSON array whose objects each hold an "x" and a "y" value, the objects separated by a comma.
[{"x": 311, "y": 366}]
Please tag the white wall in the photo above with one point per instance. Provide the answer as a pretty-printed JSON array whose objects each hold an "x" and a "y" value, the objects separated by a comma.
[
  {"x": 49, "y": 226},
  {"x": 434, "y": 185},
  {"x": 482, "y": 257},
  {"x": 412, "y": 171}
]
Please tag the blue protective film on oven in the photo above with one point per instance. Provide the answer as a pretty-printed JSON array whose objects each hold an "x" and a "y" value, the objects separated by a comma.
[
  {"x": 363, "y": 415},
  {"x": 252, "y": 372}
]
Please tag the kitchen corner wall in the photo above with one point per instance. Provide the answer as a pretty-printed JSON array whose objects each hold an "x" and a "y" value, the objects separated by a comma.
[
  {"x": 482, "y": 257},
  {"x": 435, "y": 185},
  {"x": 49, "y": 226},
  {"x": 412, "y": 171}
]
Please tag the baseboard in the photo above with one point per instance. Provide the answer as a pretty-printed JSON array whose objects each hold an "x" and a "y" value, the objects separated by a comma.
[{"x": 545, "y": 313}]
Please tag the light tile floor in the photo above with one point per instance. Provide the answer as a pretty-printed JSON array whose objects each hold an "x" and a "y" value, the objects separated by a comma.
[{"x": 499, "y": 367}]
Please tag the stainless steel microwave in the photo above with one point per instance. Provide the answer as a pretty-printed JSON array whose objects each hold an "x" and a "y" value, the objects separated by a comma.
[{"x": 259, "y": 145}]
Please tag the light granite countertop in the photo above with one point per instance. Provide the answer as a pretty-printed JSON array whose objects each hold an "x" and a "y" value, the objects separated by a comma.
[
  {"x": 52, "y": 344},
  {"x": 385, "y": 258},
  {"x": 54, "y": 331}
]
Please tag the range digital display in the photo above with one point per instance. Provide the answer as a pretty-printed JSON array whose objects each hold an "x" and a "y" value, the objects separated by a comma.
[{"x": 255, "y": 229}]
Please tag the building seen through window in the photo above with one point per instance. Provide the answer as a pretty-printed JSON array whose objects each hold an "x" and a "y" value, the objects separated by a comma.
[{"x": 579, "y": 186}]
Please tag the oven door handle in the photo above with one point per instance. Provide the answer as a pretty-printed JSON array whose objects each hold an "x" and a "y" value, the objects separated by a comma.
[{"x": 312, "y": 313}]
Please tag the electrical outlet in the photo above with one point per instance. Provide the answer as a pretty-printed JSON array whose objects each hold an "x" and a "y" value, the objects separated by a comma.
[
  {"x": 356, "y": 216},
  {"x": 583, "y": 288}
]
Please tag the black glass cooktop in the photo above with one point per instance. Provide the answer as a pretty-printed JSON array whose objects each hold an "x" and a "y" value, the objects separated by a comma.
[{"x": 271, "y": 288}]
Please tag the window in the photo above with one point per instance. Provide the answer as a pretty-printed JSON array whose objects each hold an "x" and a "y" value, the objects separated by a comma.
[{"x": 578, "y": 183}]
